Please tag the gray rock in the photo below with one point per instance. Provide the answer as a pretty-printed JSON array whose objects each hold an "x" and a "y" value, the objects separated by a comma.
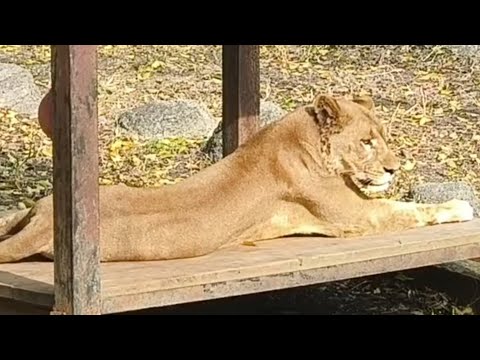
[
  {"x": 18, "y": 91},
  {"x": 167, "y": 119},
  {"x": 269, "y": 112},
  {"x": 435, "y": 193},
  {"x": 466, "y": 49}
]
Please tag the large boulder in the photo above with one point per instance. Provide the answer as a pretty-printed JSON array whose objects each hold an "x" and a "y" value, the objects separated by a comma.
[
  {"x": 169, "y": 119},
  {"x": 18, "y": 91}
]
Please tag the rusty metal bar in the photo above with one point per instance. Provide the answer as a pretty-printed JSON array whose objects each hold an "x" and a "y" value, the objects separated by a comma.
[
  {"x": 75, "y": 181},
  {"x": 241, "y": 94}
]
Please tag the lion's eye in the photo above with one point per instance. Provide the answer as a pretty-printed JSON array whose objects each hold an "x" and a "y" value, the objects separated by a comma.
[{"x": 367, "y": 142}]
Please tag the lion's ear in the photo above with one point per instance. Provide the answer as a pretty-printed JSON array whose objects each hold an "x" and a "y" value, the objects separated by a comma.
[
  {"x": 365, "y": 101},
  {"x": 327, "y": 104}
]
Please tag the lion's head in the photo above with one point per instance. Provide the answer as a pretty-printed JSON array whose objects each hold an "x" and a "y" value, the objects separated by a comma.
[{"x": 357, "y": 142}]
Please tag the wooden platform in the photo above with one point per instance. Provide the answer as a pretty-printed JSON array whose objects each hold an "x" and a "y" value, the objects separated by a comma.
[{"x": 270, "y": 265}]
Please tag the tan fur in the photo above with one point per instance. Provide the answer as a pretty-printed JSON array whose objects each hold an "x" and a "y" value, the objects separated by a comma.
[{"x": 308, "y": 173}]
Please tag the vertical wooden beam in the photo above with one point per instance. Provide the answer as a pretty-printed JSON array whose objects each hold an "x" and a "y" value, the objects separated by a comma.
[
  {"x": 75, "y": 182},
  {"x": 241, "y": 94}
]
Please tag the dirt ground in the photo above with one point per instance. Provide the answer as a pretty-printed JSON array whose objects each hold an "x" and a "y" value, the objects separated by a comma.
[{"x": 427, "y": 95}]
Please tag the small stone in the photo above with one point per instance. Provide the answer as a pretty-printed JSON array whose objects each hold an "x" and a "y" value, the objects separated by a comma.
[
  {"x": 435, "y": 193},
  {"x": 21, "y": 206},
  {"x": 416, "y": 312}
]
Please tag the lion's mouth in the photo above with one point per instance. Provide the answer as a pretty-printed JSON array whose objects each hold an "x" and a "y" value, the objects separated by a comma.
[
  {"x": 375, "y": 185},
  {"x": 378, "y": 188}
]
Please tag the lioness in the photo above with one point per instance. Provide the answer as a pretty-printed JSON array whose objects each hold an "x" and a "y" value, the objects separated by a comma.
[{"x": 308, "y": 173}]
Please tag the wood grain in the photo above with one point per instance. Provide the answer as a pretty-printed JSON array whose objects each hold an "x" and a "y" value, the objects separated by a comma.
[
  {"x": 75, "y": 181},
  {"x": 241, "y": 94}
]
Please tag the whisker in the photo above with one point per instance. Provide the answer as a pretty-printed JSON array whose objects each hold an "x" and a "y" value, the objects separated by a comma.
[
  {"x": 347, "y": 172},
  {"x": 366, "y": 181}
]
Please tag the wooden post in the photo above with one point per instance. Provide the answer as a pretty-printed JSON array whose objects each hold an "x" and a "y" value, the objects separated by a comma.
[
  {"x": 241, "y": 94},
  {"x": 75, "y": 182}
]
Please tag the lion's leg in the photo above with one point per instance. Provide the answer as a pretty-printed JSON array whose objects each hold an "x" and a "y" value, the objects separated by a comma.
[
  {"x": 35, "y": 238},
  {"x": 292, "y": 218},
  {"x": 12, "y": 221},
  {"x": 388, "y": 215},
  {"x": 360, "y": 216},
  {"x": 411, "y": 214}
]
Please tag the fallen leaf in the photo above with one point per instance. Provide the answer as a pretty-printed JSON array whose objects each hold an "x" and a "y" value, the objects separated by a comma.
[
  {"x": 45, "y": 184},
  {"x": 462, "y": 119},
  {"x": 451, "y": 163},
  {"x": 115, "y": 158},
  {"x": 324, "y": 74},
  {"x": 144, "y": 75},
  {"x": 441, "y": 157},
  {"x": 150, "y": 157},
  {"x": 453, "y": 136},
  {"x": 424, "y": 120},
  {"x": 428, "y": 77},
  {"x": 47, "y": 151},
  {"x": 156, "y": 64},
  {"x": 454, "y": 105},
  {"x": 136, "y": 161},
  {"x": 446, "y": 149},
  {"x": 121, "y": 144},
  {"x": 104, "y": 181},
  {"x": 409, "y": 165},
  {"x": 11, "y": 114},
  {"x": 402, "y": 277},
  {"x": 466, "y": 311}
]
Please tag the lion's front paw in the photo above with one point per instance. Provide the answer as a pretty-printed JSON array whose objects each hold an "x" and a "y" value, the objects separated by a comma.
[{"x": 455, "y": 211}]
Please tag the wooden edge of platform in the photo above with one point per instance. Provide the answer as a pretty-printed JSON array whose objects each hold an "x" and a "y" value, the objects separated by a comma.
[
  {"x": 289, "y": 279},
  {"x": 40, "y": 299}
]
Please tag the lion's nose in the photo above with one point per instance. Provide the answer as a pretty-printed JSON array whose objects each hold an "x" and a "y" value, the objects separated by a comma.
[
  {"x": 390, "y": 170},
  {"x": 391, "y": 164}
]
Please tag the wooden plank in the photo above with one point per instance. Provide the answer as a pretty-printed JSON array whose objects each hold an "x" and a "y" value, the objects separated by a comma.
[
  {"x": 241, "y": 94},
  {"x": 273, "y": 264},
  {"x": 10, "y": 307},
  {"x": 75, "y": 162}
]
